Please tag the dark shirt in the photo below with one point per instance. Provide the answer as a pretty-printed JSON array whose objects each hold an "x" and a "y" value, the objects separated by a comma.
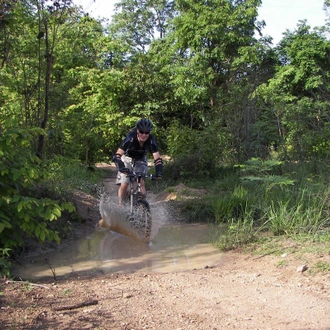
[{"x": 132, "y": 147}]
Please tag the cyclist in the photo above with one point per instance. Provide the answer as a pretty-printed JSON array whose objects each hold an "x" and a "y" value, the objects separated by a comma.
[{"x": 132, "y": 155}]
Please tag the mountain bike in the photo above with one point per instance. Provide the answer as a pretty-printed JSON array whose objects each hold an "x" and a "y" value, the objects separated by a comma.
[{"x": 140, "y": 215}]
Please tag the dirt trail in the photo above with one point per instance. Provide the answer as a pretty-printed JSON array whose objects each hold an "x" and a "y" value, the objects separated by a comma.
[{"x": 242, "y": 292}]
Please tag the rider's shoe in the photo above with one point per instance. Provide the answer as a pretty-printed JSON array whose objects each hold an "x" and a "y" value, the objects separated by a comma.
[{"x": 141, "y": 197}]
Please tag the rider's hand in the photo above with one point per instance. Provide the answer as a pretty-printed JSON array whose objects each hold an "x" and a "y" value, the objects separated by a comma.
[{"x": 123, "y": 170}]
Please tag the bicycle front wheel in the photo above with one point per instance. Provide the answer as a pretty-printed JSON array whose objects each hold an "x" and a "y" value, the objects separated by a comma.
[{"x": 142, "y": 219}]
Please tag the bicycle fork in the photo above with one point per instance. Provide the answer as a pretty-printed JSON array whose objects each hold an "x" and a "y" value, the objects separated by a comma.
[{"x": 135, "y": 194}]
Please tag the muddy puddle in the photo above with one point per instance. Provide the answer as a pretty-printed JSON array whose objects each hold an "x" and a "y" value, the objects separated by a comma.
[
  {"x": 173, "y": 247},
  {"x": 176, "y": 247}
]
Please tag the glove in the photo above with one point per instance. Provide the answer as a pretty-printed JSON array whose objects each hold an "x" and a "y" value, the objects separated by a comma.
[
  {"x": 123, "y": 170},
  {"x": 119, "y": 163}
]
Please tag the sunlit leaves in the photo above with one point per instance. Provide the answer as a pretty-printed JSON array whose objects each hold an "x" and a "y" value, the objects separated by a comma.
[
  {"x": 138, "y": 23},
  {"x": 209, "y": 36},
  {"x": 20, "y": 174},
  {"x": 96, "y": 109}
]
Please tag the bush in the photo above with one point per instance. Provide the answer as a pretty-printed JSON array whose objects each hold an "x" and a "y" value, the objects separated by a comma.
[
  {"x": 21, "y": 174},
  {"x": 196, "y": 153}
]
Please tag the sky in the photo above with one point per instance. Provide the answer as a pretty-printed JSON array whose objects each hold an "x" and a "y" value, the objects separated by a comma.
[
  {"x": 279, "y": 15},
  {"x": 282, "y": 15}
]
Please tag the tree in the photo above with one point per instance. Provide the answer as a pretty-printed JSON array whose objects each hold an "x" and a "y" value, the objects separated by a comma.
[
  {"x": 93, "y": 124},
  {"x": 140, "y": 22},
  {"x": 32, "y": 37},
  {"x": 209, "y": 37},
  {"x": 214, "y": 63},
  {"x": 299, "y": 93},
  {"x": 47, "y": 31},
  {"x": 47, "y": 39}
]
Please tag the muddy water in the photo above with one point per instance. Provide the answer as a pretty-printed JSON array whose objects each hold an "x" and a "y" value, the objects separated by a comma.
[{"x": 173, "y": 247}]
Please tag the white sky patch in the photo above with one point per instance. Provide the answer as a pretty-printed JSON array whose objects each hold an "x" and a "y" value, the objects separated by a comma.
[
  {"x": 282, "y": 15},
  {"x": 279, "y": 15}
]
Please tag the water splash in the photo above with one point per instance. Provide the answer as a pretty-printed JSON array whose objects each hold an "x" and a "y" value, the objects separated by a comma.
[{"x": 116, "y": 217}]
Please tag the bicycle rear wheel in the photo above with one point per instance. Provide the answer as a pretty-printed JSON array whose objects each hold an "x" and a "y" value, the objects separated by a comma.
[{"x": 142, "y": 219}]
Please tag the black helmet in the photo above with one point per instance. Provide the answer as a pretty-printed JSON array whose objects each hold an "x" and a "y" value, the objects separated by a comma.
[{"x": 144, "y": 125}]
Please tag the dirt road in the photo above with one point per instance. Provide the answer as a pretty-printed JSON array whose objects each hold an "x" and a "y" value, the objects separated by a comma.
[{"x": 244, "y": 292}]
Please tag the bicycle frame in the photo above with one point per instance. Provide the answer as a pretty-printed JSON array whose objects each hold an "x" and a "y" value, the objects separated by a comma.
[
  {"x": 135, "y": 188},
  {"x": 140, "y": 216}
]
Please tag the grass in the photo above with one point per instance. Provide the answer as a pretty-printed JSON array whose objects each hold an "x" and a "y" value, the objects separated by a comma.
[
  {"x": 281, "y": 263},
  {"x": 66, "y": 292},
  {"x": 67, "y": 175},
  {"x": 257, "y": 205},
  {"x": 322, "y": 266}
]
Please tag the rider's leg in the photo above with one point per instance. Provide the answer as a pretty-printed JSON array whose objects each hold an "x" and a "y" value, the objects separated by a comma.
[
  {"x": 123, "y": 180},
  {"x": 122, "y": 192},
  {"x": 143, "y": 187}
]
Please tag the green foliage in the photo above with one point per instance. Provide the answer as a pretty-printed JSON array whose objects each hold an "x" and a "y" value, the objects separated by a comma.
[
  {"x": 195, "y": 153},
  {"x": 216, "y": 95},
  {"x": 66, "y": 175},
  {"x": 303, "y": 213},
  {"x": 210, "y": 35},
  {"x": 5, "y": 264},
  {"x": 299, "y": 94},
  {"x": 261, "y": 173},
  {"x": 231, "y": 205},
  {"x": 198, "y": 210},
  {"x": 257, "y": 165},
  {"x": 21, "y": 172},
  {"x": 236, "y": 234},
  {"x": 246, "y": 211},
  {"x": 98, "y": 130},
  {"x": 189, "y": 66},
  {"x": 137, "y": 23}
]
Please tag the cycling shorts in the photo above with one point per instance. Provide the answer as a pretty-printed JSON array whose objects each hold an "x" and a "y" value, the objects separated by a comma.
[{"x": 138, "y": 166}]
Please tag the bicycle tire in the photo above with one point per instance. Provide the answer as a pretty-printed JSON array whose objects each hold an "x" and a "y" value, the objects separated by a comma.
[{"x": 142, "y": 219}]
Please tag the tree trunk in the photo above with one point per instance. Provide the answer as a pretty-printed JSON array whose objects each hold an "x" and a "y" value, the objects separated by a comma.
[{"x": 49, "y": 62}]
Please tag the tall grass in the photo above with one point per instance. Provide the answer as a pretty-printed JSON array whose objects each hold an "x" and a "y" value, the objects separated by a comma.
[
  {"x": 267, "y": 198},
  {"x": 305, "y": 213},
  {"x": 294, "y": 207}
]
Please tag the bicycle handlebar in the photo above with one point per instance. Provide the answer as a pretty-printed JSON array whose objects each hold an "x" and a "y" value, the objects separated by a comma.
[{"x": 133, "y": 175}]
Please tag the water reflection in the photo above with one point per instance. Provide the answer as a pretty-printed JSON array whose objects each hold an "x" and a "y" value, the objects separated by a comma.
[{"x": 175, "y": 248}]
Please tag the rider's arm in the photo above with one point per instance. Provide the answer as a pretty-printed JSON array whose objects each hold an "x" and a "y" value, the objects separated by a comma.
[
  {"x": 158, "y": 164},
  {"x": 156, "y": 155},
  {"x": 120, "y": 152},
  {"x": 117, "y": 159}
]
